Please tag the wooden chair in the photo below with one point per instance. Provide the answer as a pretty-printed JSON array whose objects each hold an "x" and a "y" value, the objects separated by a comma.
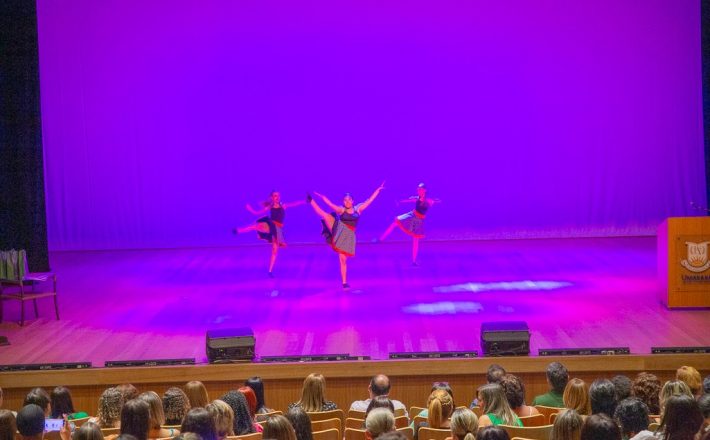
[
  {"x": 401, "y": 422},
  {"x": 325, "y": 415},
  {"x": 399, "y": 412},
  {"x": 15, "y": 274},
  {"x": 354, "y": 434},
  {"x": 110, "y": 431},
  {"x": 408, "y": 431},
  {"x": 653, "y": 427},
  {"x": 253, "y": 436},
  {"x": 176, "y": 427},
  {"x": 264, "y": 416},
  {"x": 354, "y": 423},
  {"x": 323, "y": 425},
  {"x": 477, "y": 410},
  {"x": 536, "y": 420},
  {"x": 553, "y": 417},
  {"x": 547, "y": 410},
  {"x": 356, "y": 414},
  {"x": 328, "y": 434},
  {"x": 532, "y": 432},
  {"x": 414, "y": 411},
  {"x": 78, "y": 422},
  {"x": 426, "y": 433},
  {"x": 418, "y": 420}
]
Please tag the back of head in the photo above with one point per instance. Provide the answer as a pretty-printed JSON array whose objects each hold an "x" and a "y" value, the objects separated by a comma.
[
  {"x": 88, "y": 431},
  {"x": 223, "y": 417},
  {"x": 301, "y": 423},
  {"x": 197, "y": 393},
  {"x": 379, "y": 421},
  {"x": 706, "y": 385},
  {"x": 157, "y": 415},
  {"x": 704, "y": 404},
  {"x": 380, "y": 385},
  {"x": 8, "y": 426},
  {"x": 691, "y": 377},
  {"x": 602, "y": 397},
  {"x": 632, "y": 416},
  {"x": 600, "y": 427},
  {"x": 445, "y": 387},
  {"x": 682, "y": 418},
  {"x": 278, "y": 427},
  {"x": 576, "y": 397},
  {"x": 380, "y": 402},
  {"x": 558, "y": 376},
  {"x": 494, "y": 402},
  {"x": 313, "y": 393},
  {"x": 440, "y": 406},
  {"x": 622, "y": 385},
  {"x": 514, "y": 390},
  {"x": 567, "y": 426},
  {"x": 492, "y": 433},
  {"x": 242, "y": 421},
  {"x": 647, "y": 387},
  {"x": 494, "y": 373},
  {"x": 251, "y": 399},
  {"x": 175, "y": 405},
  {"x": 135, "y": 419},
  {"x": 128, "y": 391},
  {"x": 61, "y": 402},
  {"x": 672, "y": 388},
  {"x": 256, "y": 384},
  {"x": 39, "y": 397},
  {"x": 110, "y": 404},
  {"x": 464, "y": 424},
  {"x": 30, "y": 420},
  {"x": 199, "y": 421},
  {"x": 392, "y": 435}
]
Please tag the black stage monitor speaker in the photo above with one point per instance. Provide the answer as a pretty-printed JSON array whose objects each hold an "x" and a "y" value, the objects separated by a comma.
[
  {"x": 230, "y": 345},
  {"x": 505, "y": 338}
]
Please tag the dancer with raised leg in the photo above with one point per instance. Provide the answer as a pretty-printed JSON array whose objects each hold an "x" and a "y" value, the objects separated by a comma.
[
  {"x": 412, "y": 222},
  {"x": 270, "y": 227},
  {"x": 339, "y": 226}
]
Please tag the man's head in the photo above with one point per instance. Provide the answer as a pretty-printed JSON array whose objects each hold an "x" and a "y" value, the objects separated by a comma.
[
  {"x": 557, "y": 376},
  {"x": 378, "y": 422},
  {"x": 30, "y": 422},
  {"x": 495, "y": 373},
  {"x": 379, "y": 386},
  {"x": 39, "y": 397}
]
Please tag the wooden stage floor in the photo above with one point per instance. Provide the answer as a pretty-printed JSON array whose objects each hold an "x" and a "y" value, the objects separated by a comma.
[{"x": 154, "y": 304}]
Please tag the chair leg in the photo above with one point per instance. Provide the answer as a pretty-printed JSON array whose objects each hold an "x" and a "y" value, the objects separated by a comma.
[
  {"x": 56, "y": 306},
  {"x": 22, "y": 313},
  {"x": 34, "y": 301}
]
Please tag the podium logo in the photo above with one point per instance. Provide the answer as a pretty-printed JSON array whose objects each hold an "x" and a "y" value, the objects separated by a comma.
[{"x": 697, "y": 260}]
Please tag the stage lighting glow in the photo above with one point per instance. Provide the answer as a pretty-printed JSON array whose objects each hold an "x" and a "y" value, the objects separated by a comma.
[
  {"x": 503, "y": 285},
  {"x": 444, "y": 308}
]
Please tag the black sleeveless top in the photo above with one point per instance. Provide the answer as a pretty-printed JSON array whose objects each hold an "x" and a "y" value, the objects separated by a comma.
[
  {"x": 277, "y": 214},
  {"x": 350, "y": 219},
  {"x": 422, "y": 206}
]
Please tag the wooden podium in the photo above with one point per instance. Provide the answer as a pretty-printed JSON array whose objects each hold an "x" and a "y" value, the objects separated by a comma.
[{"x": 683, "y": 254}]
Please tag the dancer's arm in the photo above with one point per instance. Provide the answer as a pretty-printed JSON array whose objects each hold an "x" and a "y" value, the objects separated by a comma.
[
  {"x": 412, "y": 199},
  {"x": 432, "y": 201},
  {"x": 293, "y": 204},
  {"x": 255, "y": 212},
  {"x": 362, "y": 206},
  {"x": 333, "y": 206}
]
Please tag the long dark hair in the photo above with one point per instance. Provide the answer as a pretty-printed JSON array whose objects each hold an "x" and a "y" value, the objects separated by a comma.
[
  {"x": 682, "y": 418},
  {"x": 135, "y": 419},
  {"x": 256, "y": 384},
  {"x": 88, "y": 431},
  {"x": 61, "y": 402},
  {"x": 242, "y": 421},
  {"x": 301, "y": 423},
  {"x": 199, "y": 421},
  {"x": 8, "y": 426}
]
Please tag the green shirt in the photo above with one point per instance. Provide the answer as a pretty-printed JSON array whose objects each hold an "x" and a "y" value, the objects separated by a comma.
[
  {"x": 550, "y": 399},
  {"x": 496, "y": 421}
]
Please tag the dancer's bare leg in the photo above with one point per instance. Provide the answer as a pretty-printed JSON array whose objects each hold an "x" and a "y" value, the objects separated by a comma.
[
  {"x": 388, "y": 231},
  {"x": 415, "y": 250},
  {"x": 274, "y": 253},
  {"x": 259, "y": 227},
  {"x": 329, "y": 220},
  {"x": 344, "y": 269}
]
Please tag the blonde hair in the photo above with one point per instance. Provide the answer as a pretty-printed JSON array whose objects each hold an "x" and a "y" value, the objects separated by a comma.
[
  {"x": 691, "y": 377},
  {"x": 672, "y": 388},
  {"x": 110, "y": 404},
  {"x": 440, "y": 406},
  {"x": 223, "y": 417},
  {"x": 278, "y": 427},
  {"x": 464, "y": 424},
  {"x": 197, "y": 393},
  {"x": 567, "y": 426},
  {"x": 494, "y": 402},
  {"x": 313, "y": 394},
  {"x": 576, "y": 397},
  {"x": 157, "y": 416}
]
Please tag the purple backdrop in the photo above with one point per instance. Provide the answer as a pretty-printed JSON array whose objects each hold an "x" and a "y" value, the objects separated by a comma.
[{"x": 547, "y": 118}]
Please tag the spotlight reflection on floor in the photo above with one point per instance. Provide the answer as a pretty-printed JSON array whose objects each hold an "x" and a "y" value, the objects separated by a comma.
[{"x": 503, "y": 285}]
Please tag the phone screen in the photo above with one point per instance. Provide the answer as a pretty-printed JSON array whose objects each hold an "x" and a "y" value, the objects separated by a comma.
[{"x": 53, "y": 424}]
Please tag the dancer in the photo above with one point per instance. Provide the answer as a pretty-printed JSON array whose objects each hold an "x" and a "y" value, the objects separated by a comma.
[
  {"x": 270, "y": 227},
  {"x": 412, "y": 222},
  {"x": 339, "y": 226}
]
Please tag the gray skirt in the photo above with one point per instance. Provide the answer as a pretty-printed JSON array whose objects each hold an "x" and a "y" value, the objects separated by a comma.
[
  {"x": 343, "y": 240},
  {"x": 411, "y": 224}
]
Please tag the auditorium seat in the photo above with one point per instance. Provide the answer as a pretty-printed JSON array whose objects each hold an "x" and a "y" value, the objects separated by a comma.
[
  {"x": 323, "y": 425},
  {"x": 15, "y": 274},
  {"x": 536, "y": 420},
  {"x": 532, "y": 432},
  {"x": 426, "y": 433},
  {"x": 328, "y": 434}
]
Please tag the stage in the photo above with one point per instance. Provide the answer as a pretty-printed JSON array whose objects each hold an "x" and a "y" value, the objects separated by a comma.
[{"x": 155, "y": 304}]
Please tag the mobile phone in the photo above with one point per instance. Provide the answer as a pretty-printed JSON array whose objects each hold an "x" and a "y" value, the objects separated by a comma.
[{"x": 53, "y": 424}]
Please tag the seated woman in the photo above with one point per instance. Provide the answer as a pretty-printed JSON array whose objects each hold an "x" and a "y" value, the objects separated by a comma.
[
  {"x": 197, "y": 394},
  {"x": 175, "y": 406},
  {"x": 313, "y": 395},
  {"x": 496, "y": 410},
  {"x": 256, "y": 384},
  {"x": 576, "y": 397},
  {"x": 243, "y": 423},
  {"x": 278, "y": 427},
  {"x": 157, "y": 416},
  {"x": 681, "y": 419},
  {"x": 198, "y": 421},
  {"x": 135, "y": 419},
  {"x": 440, "y": 406},
  {"x": 62, "y": 404},
  {"x": 436, "y": 386},
  {"x": 223, "y": 417},
  {"x": 109, "y": 412},
  {"x": 251, "y": 406},
  {"x": 515, "y": 394},
  {"x": 464, "y": 425},
  {"x": 567, "y": 426},
  {"x": 301, "y": 423}
]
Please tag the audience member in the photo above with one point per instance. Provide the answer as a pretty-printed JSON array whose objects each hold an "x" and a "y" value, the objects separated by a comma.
[
  {"x": 622, "y": 386},
  {"x": 464, "y": 424},
  {"x": 242, "y": 421},
  {"x": 632, "y": 416},
  {"x": 223, "y": 417},
  {"x": 313, "y": 395},
  {"x": 557, "y": 378},
  {"x": 495, "y": 407},
  {"x": 256, "y": 384},
  {"x": 567, "y": 426},
  {"x": 61, "y": 403},
  {"x": 576, "y": 397},
  {"x": 492, "y": 433},
  {"x": 380, "y": 385},
  {"x": 277, "y": 427},
  {"x": 135, "y": 419},
  {"x": 301, "y": 423},
  {"x": 600, "y": 426},
  {"x": 199, "y": 421},
  {"x": 175, "y": 405},
  {"x": 378, "y": 422},
  {"x": 197, "y": 394},
  {"x": 515, "y": 393},
  {"x": 602, "y": 397},
  {"x": 681, "y": 419},
  {"x": 647, "y": 387}
]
